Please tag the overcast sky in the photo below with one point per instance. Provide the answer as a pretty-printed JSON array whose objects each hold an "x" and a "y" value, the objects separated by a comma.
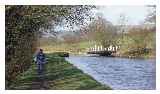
[{"x": 135, "y": 14}]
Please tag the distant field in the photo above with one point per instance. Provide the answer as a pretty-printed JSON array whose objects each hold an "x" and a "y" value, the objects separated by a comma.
[{"x": 75, "y": 48}]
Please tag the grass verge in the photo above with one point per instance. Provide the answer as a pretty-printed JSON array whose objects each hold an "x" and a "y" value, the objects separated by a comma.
[{"x": 58, "y": 75}]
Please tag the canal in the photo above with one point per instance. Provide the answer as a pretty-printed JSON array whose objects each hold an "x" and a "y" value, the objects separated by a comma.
[{"x": 118, "y": 73}]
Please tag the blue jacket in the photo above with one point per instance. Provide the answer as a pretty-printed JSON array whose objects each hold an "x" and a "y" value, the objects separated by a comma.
[{"x": 40, "y": 58}]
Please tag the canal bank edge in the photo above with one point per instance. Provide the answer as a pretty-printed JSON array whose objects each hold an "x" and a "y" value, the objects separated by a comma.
[{"x": 59, "y": 75}]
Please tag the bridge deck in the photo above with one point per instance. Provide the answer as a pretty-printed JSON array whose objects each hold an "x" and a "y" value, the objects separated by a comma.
[{"x": 106, "y": 53}]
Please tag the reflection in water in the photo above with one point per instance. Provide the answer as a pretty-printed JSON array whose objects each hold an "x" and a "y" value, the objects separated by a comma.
[{"x": 119, "y": 73}]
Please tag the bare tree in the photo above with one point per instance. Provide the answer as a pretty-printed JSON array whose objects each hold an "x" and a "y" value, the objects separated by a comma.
[
  {"x": 122, "y": 21},
  {"x": 151, "y": 17}
]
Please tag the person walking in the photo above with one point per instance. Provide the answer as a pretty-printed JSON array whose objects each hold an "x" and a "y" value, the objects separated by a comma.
[{"x": 40, "y": 60}]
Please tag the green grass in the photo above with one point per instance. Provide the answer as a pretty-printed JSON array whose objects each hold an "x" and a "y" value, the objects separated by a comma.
[
  {"x": 59, "y": 75},
  {"x": 74, "y": 48}
]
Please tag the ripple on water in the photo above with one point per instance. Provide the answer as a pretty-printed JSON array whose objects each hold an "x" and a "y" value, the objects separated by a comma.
[{"x": 119, "y": 73}]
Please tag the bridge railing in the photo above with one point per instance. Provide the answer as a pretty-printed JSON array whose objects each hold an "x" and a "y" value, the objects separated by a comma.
[{"x": 101, "y": 48}]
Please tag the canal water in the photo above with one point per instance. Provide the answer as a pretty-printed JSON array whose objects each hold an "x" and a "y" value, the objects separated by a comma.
[{"x": 119, "y": 73}]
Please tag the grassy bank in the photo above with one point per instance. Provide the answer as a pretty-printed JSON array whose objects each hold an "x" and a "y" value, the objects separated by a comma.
[
  {"x": 74, "y": 48},
  {"x": 59, "y": 75},
  {"x": 124, "y": 52}
]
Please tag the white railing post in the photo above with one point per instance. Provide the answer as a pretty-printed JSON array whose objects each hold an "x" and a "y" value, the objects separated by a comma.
[
  {"x": 116, "y": 48},
  {"x": 113, "y": 49},
  {"x": 101, "y": 48},
  {"x": 95, "y": 47},
  {"x": 98, "y": 48},
  {"x": 110, "y": 48}
]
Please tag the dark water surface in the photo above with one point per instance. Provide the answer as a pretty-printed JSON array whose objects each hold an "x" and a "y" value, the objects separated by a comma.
[{"x": 119, "y": 73}]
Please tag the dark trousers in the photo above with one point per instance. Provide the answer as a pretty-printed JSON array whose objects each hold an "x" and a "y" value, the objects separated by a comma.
[{"x": 40, "y": 68}]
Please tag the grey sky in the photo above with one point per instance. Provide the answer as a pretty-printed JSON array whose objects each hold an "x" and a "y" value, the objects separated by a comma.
[{"x": 135, "y": 13}]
